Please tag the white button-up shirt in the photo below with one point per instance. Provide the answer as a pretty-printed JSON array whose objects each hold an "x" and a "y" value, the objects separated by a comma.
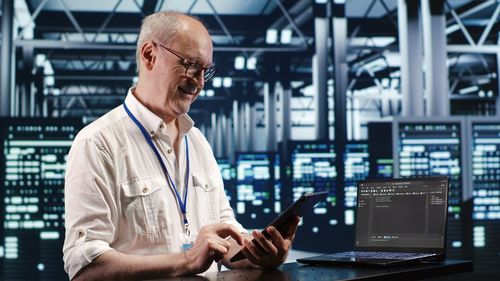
[{"x": 117, "y": 196}]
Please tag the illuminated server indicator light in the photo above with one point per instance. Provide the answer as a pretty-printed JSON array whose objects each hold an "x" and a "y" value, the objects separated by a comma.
[
  {"x": 320, "y": 211},
  {"x": 349, "y": 217},
  {"x": 251, "y": 63},
  {"x": 479, "y": 236},
  {"x": 271, "y": 36},
  {"x": 239, "y": 62},
  {"x": 227, "y": 82},
  {"x": 217, "y": 82},
  {"x": 49, "y": 235},
  {"x": 257, "y": 202},
  {"x": 240, "y": 207},
  {"x": 277, "y": 207},
  {"x": 210, "y": 93},
  {"x": 350, "y": 196},
  {"x": 286, "y": 36},
  {"x": 11, "y": 247}
]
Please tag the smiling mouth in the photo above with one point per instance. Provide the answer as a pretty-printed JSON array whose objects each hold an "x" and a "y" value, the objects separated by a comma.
[{"x": 186, "y": 92}]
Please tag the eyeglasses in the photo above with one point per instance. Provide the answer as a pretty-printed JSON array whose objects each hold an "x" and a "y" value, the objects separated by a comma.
[{"x": 192, "y": 69}]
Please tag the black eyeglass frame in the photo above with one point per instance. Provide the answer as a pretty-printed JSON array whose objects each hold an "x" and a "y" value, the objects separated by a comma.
[{"x": 193, "y": 68}]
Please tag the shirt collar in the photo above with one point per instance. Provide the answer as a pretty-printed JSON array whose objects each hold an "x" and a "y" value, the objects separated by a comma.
[{"x": 151, "y": 122}]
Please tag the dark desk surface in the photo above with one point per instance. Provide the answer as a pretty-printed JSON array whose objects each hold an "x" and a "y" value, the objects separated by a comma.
[{"x": 298, "y": 271}]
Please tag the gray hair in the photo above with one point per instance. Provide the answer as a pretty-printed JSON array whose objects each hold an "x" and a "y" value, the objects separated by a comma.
[{"x": 160, "y": 26}]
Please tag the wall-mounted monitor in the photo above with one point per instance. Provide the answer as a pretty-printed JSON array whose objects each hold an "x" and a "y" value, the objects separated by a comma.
[
  {"x": 257, "y": 200},
  {"x": 484, "y": 155},
  {"x": 228, "y": 173},
  {"x": 32, "y": 165},
  {"x": 435, "y": 146},
  {"x": 312, "y": 168},
  {"x": 356, "y": 168}
]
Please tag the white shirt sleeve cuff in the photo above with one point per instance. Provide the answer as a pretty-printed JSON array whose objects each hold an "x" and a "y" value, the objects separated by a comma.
[{"x": 89, "y": 250}]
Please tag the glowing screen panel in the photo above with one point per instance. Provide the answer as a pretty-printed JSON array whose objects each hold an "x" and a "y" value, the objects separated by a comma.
[
  {"x": 228, "y": 174},
  {"x": 313, "y": 169},
  {"x": 257, "y": 199},
  {"x": 407, "y": 213},
  {"x": 485, "y": 138},
  {"x": 356, "y": 167},
  {"x": 427, "y": 148},
  {"x": 33, "y": 163}
]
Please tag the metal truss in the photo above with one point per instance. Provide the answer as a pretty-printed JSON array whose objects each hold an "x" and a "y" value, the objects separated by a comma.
[
  {"x": 479, "y": 46},
  {"x": 365, "y": 77},
  {"x": 82, "y": 54},
  {"x": 492, "y": 21},
  {"x": 479, "y": 78}
]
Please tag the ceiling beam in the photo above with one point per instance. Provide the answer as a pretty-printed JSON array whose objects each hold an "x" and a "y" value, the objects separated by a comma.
[
  {"x": 58, "y": 44},
  {"x": 484, "y": 49},
  {"x": 149, "y": 7},
  {"x": 57, "y": 21}
]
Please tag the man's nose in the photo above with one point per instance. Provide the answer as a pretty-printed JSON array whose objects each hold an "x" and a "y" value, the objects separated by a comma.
[{"x": 199, "y": 79}]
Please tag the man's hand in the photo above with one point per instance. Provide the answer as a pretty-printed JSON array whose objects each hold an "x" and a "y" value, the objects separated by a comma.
[
  {"x": 211, "y": 244},
  {"x": 272, "y": 251}
]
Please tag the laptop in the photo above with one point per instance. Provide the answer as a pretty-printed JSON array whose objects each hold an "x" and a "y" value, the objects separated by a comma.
[{"x": 398, "y": 221}]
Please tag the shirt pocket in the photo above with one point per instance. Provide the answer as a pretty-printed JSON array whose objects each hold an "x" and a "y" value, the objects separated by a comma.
[
  {"x": 142, "y": 204},
  {"x": 207, "y": 191}
]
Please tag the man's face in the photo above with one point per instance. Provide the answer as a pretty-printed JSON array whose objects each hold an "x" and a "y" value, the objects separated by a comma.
[{"x": 176, "y": 90}]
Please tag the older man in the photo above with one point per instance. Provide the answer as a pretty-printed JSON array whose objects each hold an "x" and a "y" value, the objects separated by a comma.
[{"x": 144, "y": 196}]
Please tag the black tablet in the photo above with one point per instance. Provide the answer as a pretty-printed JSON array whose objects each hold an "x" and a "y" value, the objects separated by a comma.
[{"x": 298, "y": 208}]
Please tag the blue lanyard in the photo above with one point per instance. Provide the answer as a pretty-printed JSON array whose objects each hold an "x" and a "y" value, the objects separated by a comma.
[{"x": 182, "y": 203}]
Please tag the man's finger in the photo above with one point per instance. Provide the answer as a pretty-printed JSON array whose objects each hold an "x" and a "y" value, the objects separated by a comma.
[
  {"x": 224, "y": 242},
  {"x": 224, "y": 230},
  {"x": 215, "y": 250},
  {"x": 264, "y": 242},
  {"x": 278, "y": 240},
  {"x": 250, "y": 253}
]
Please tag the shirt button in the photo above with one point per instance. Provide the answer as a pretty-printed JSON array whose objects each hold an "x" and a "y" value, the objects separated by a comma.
[
  {"x": 206, "y": 186},
  {"x": 144, "y": 190},
  {"x": 169, "y": 150},
  {"x": 80, "y": 234},
  {"x": 152, "y": 132}
]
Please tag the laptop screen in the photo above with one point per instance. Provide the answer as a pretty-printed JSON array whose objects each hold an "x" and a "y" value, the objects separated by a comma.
[{"x": 401, "y": 214}]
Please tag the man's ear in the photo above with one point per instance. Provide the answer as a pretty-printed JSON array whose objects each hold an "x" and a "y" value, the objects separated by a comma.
[{"x": 148, "y": 55}]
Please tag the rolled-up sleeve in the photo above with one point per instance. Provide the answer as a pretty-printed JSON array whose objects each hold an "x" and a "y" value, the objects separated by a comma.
[{"x": 90, "y": 204}]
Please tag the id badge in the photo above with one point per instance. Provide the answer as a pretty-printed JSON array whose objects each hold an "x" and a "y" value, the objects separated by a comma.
[{"x": 187, "y": 241}]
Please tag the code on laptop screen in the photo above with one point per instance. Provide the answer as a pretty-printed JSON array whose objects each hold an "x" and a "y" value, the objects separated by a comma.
[{"x": 402, "y": 213}]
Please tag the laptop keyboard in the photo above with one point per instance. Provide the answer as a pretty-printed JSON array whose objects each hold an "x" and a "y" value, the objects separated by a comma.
[{"x": 380, "y": 255}]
